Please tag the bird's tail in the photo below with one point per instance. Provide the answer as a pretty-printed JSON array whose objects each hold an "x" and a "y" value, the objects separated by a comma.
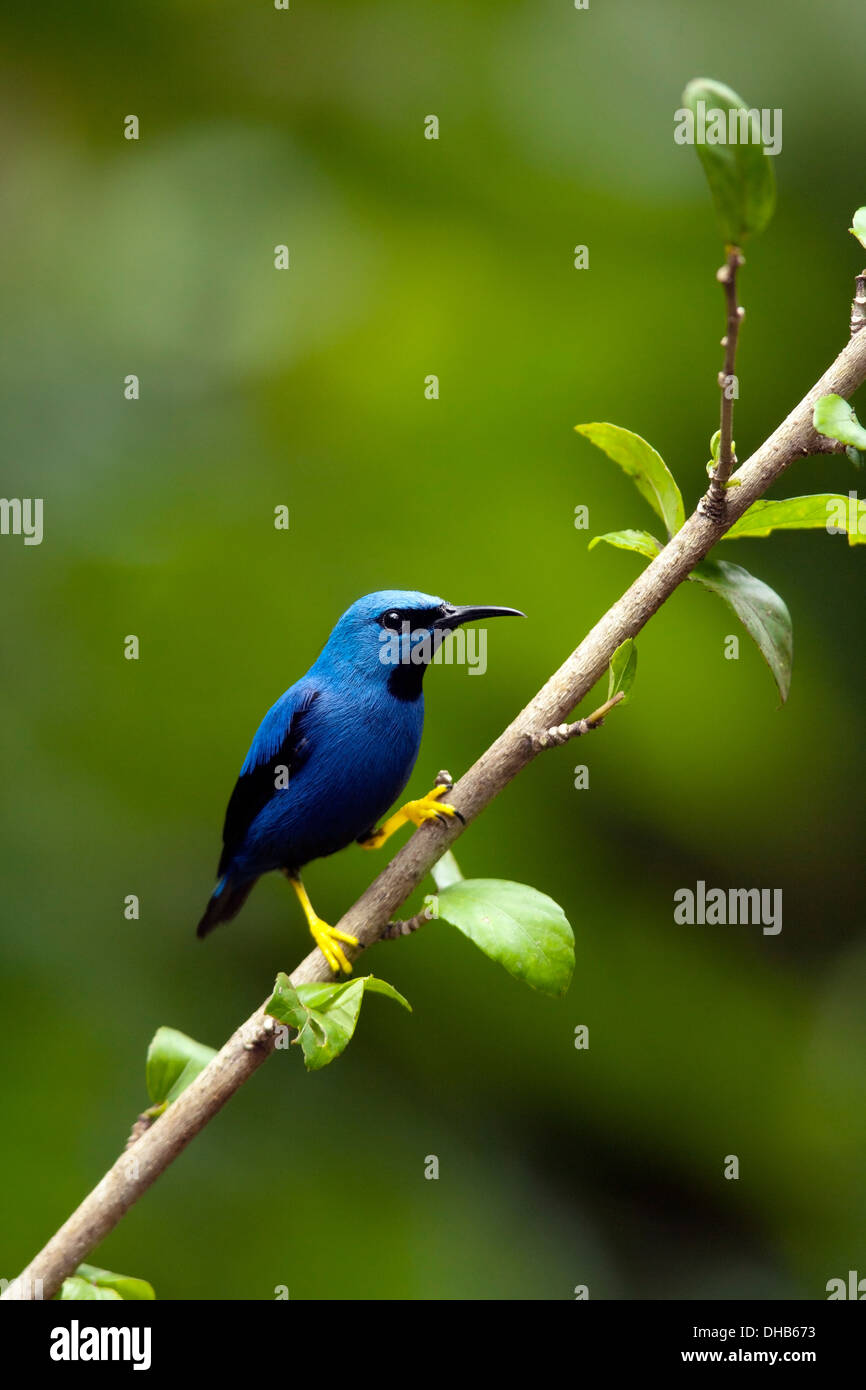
[{"x": 226, "y": 901}]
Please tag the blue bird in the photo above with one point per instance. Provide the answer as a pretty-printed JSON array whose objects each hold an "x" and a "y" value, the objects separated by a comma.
[{"x": 334, "y": 752}]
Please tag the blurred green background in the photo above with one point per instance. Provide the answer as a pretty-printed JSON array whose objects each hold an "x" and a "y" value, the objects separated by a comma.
[{"x": 410, "y": 257}]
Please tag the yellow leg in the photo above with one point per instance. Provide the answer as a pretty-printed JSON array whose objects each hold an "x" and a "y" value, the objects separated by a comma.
[
  {"x": 426, "y": 808},
  {"x": 326, "y": 938}
]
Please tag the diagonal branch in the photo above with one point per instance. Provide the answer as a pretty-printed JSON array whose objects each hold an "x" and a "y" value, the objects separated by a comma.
[{"x": 253, "y": 1042}]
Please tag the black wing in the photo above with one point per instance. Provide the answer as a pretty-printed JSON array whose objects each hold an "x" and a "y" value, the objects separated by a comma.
[{"x": 256, "y": 784}]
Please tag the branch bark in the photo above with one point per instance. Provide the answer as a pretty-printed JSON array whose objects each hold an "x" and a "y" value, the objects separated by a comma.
[{"x": 158, "y": 1147}]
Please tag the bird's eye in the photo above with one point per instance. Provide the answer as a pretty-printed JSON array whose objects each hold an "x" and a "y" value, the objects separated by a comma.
[{"x": 391, "y": 620}]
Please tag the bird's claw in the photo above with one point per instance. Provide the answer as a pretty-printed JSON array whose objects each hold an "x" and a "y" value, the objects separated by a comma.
[
  {"x": 327, "y": 939},
  {"x": 430, "y": 807}
]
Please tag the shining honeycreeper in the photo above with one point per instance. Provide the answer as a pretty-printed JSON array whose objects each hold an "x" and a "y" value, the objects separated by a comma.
[{"x": 335, "y": 751}]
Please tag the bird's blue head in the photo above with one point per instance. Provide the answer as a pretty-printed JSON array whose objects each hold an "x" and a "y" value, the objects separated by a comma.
[{"x": 393, "y": 635}]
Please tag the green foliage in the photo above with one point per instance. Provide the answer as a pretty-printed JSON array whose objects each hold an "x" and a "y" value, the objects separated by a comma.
[
  {"x": 325, "y": 1015},
  {"x": 642, "y": 541},
  {"x": 446, "y": 871},
  {"x": 516, "y": 926},
  {"x": 759, "y": 608},
  {"x": 715, "y": 449},
  {"x": 520, "y": 928},
  {"x": 622, "y": 670},
  {"x": 713, "y": 462},
  {"x": 858, "y": 226},
  {"x": 76, "y": 1289},
  {"x": 173, "y": 1061},
  {"x": 648, "y": 470},
  {"x": 740, "y": 174},
  {"x": 795, "y": 514},
  {"x": 88, "y": 1282},
  {"x": 835, "y": 418}
]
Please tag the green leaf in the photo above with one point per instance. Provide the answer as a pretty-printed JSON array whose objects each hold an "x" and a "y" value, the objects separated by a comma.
[
  {"x": 622, "y": 670},
  {"x": 517, "y": 926},
  {"x": 759, "y": 608},
  {"x": 858, "y": 227},
  {"x": 817, "y": 512},
  {"x": 740, "y": 174},
  {"x": 325, "y": 1015},
  {"x": 446, "y": 870},
  {"x": 127, "y": 1288},
  {"x": 641, "y": 541},
  {"x": 651, "y": 475},
  {"x": 834, "y": 418},
  {"x": 715, "y": 451},
  {"x": 77, "y": 1290},
  {"x": 173, "y": 1061}
]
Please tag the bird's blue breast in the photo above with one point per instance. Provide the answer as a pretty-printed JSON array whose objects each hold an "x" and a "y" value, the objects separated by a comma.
[{"x": 359, "y": 747}]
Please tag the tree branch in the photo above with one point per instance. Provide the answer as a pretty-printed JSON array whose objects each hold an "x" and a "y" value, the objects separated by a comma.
[{"x": 253, "y": 1042}]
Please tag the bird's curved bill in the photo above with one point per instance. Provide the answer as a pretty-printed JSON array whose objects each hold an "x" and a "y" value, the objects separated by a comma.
[{"x": 453, "y": 615}]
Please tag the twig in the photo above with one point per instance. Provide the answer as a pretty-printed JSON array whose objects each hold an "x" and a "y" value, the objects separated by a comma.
[
  {"x": 716, "y": 498},
  {"x": 253, "y": 1042},
  {"x": 405, "y": 928},
  {"x": 858, "y": 307},
  {"x": 823, "y": 445},
  {"x": 556, "y": 737},
  {"x": 141, "y": 1126}
]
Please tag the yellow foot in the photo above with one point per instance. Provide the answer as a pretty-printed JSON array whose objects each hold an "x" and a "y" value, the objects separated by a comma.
[
  {"x": 327, "y": 939},
  {"x": 428, "y": 807}
]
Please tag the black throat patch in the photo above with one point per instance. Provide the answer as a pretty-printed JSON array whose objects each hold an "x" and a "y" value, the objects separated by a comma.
[{"x": 405, "y": 681}]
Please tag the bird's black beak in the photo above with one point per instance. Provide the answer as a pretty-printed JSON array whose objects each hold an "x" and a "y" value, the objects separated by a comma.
[{"x": 453, "y": 615}]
